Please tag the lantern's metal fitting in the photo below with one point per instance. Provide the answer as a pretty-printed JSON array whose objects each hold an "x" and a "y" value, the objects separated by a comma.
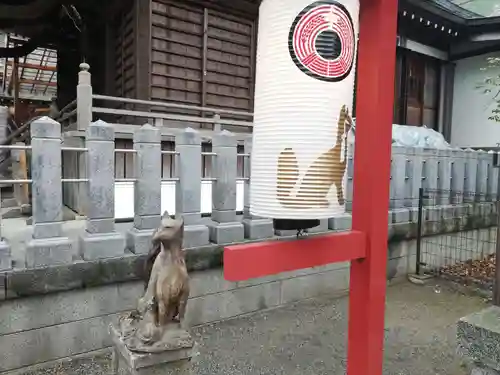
[{"x": 301, "y": 233}]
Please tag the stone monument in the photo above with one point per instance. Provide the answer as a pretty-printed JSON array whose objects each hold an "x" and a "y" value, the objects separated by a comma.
[{"x": 152, "y": 339}]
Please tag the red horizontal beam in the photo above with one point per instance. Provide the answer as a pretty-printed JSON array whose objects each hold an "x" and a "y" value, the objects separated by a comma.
[{"x": 249, "y": 261}]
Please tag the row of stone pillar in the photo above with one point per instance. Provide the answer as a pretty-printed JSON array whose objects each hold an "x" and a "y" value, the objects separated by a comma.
[
  {"x": 448, "y": 170},
  {"x": 455, "y": 176},
  {"x": 49, "y": 246}
]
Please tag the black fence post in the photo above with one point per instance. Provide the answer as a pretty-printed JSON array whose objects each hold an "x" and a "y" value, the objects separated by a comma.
[
  {"x": 419, "y": 229},
  {"x": 496, "y": 287}
]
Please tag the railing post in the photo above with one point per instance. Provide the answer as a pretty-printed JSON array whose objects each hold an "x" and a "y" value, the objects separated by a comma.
[
  {"x": 457, "y": 176},
  {"x": 48, "y": 245},
  {"x": 4, "y": 116},
  {"x": 444, "y": 175},
  {"x": 224, "y": 228},
  {"x": 416, "y": 174},
  {"x": 482, "y": 175},
  {"x": 398, "y": 186},
  {"x": 5, "y": 251},
  {"x": 256, "y": 228},
  {"x": 492, "y": 177},
  {"x": 430, "y": 185},
  {"x": 470, "y": 175},
  {"x": 350, "y": 174},
  {"x": 430, "y": 182},
  {"x": 147, "y": 189},
  {"x": 344, "y": 221},
  {"x": 100, "y": 239},
  {"x": 84, "y": 98},
  {"x": 398, "y": 177},
  {"x": 217, "y": 125},
  {"x": 188, "y": 189},
  {"x": 20, "y": 172}
]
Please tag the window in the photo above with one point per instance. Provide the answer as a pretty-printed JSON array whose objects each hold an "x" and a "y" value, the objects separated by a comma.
[{"x": 417, "y": 90}]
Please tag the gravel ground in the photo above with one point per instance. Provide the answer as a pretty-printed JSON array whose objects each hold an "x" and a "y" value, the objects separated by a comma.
[{"x": 309, "y": 338}]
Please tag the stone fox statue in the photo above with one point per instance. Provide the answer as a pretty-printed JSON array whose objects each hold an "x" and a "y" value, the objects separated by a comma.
[
  {"x": 168, "y": 281},
  {"x": 330, "y": 165},
  {"x": 155, "y": 326}
]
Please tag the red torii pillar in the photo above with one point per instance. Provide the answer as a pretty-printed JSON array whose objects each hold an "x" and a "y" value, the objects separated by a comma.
[{"x": 366, "y": 244}]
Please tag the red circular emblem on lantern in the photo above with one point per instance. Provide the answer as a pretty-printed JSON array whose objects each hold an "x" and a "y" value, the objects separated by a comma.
[{"x": 321, "y": 41}]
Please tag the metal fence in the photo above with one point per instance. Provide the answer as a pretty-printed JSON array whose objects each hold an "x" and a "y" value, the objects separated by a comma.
[{"x": 462, "y": 253}]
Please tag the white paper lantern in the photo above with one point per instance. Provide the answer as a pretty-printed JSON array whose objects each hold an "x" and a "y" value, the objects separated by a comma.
[{"x": 306, "y": 55}]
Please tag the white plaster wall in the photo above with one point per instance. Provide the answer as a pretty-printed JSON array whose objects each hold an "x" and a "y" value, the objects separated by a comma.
[{"x": 471, "y": 107}]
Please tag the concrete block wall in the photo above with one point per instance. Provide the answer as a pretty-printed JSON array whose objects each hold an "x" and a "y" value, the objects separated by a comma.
[{"x": 46, "y": 328}]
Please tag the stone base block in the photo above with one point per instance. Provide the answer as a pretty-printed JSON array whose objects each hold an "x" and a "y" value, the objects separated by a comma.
[
  {"x": 413, "y": 212},
  {"x": 196, "y": 235},
  {"x": 322, "y": 227},
  {"x": 102, "y": 245},
  {"x": 257, "y": 229},
  {"x": 226, "y": 233},
  {"x": 139, "y": 241},
  {"x": 5, "y": 256},
  {"x": 169, "y": 362},
  {"x": 341, "y": 222},
  {"x": 478, "y": 337},
  {"x": 26, "y": 209},
  {"x": 419, "y": 279},
  {"x": 399, "y": 216},
  {"x": 348, "y": 206},
  {"x": 44, "y": 252}
]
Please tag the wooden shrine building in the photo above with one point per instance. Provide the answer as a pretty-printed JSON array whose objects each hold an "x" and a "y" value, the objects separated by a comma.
[{"x": 202, "y": 52}]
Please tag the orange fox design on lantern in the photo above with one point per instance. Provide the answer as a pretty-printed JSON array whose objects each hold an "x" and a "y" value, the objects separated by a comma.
[{"x": 327, "y": 170}]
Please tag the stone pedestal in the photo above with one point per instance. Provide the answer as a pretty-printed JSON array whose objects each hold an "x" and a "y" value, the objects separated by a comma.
[
  {"x": 167, "y": 362},
  {"x": 478, "y": 338},
  {"x": 257, "y": 229},
  {"x": 340, "y": 222},
  {"x": 139, "y": 240},
  {"x": 225, "y": 233},
  {"x": 102, "y": 245}
]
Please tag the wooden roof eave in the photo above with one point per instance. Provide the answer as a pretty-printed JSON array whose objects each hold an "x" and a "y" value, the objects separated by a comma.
[{"x": 437, "y": 11}]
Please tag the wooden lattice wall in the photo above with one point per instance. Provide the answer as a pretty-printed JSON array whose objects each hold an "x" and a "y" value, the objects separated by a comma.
[
  {"x": 201, "y": 56},
  {"x": 125, "y": 53},
  {"x": 185, "y": 52}
]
